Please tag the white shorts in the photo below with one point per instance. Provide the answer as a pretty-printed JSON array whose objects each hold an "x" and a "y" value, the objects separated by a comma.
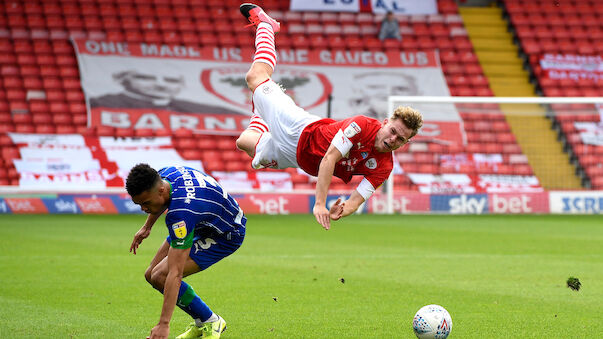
[{"x": 286, "y": 121}]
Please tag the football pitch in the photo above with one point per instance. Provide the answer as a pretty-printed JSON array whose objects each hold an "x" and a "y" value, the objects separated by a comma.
[{"x": 72, "y": 276}]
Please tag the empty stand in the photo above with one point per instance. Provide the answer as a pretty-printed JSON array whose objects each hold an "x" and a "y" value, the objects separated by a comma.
[{"x": 36, "y": 55}]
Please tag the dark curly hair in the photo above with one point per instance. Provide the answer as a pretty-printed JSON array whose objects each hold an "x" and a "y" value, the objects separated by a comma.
[{"x": 142, "y": 177}]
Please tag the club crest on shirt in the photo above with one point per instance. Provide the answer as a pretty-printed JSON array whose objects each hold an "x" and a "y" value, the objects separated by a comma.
[
  {"x": 371, "y": 163},
  {"x": 179, "y": 229},
  {"x": 364, "y": 155},
  {"x": 352, "y": 130}
]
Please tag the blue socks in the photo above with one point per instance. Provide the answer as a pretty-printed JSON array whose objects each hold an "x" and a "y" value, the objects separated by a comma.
[{"x": 190, "y": 303}]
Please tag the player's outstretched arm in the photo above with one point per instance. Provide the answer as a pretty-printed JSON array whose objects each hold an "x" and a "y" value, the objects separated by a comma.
[
  {"x": 144, "y": 231},
  {"x": 325, "y": 174},
  {"x": 352, "y": 204},
  {"x": 176, "y": 260}
]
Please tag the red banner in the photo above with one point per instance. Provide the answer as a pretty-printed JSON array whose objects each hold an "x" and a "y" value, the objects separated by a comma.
[
  {"x": 410, "y": 202},
  {"x": 322, "y": 57},
  {"x": 96, "y": 205},
  {"x": 506, "y": 203},
  {"x": 274, "y": 203},
  {"x": 26, "y": 205},
  {"x": 162, "y": 119}
]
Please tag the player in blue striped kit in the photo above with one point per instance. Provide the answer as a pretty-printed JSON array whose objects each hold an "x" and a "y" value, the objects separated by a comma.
[{"x": 205, "y": 225}]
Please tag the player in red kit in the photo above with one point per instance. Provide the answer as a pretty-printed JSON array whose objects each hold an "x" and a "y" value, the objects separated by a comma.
[{"x": 282, "y": 135}]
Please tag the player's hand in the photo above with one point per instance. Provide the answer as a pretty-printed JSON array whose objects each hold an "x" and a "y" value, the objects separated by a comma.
[
  {"x": 322, "y": 216},
  {"x": 142, "y": 234},
  {"x": 336, "y": 210},
  {"x": 160, "y": 332}
]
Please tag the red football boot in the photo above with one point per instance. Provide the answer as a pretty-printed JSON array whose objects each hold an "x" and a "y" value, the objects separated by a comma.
[{"x": 255, "y": 14}]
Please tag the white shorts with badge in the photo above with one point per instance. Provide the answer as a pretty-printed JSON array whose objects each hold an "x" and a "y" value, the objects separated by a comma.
[{"x": 286, "y": 121}]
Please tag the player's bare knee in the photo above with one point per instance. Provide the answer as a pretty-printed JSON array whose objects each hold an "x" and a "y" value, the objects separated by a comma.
[
  {"x": 157, "y": 279},
  {"x": 251, "y": 78},
  {"x": 246, "y": 142},
  {"x": 258, "y": 73},
  {"x": 147, "y": 274},
  {"x": 241, "y": 144}
]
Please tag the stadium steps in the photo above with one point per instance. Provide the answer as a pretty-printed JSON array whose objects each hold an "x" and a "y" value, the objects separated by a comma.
[
  {"x": 500, "y": 61},
  {"x": 496, "y": 52},
  {"x": 539, "y": 143}
]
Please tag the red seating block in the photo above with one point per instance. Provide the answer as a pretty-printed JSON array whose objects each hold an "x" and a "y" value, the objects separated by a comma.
[
  {"x": 45, "y": 129},
  {"x": 65, "y": 129}
]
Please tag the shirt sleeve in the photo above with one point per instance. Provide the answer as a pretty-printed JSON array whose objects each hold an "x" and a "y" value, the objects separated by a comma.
[
  {"x": 182, "y": 230},
  {"x": 366, "y": 189},
  {"x": 348, "y": 135}
]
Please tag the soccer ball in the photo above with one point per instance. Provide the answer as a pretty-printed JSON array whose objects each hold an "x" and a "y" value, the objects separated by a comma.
[{"x": 432, "y": 322}]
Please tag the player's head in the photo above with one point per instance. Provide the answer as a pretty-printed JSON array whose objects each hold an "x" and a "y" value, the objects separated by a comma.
[
  {"x": 371, "y": 90},
  {"x": 145, "y": 187},
  {"x": 158, "y": 84},
  {"x": 398, "y": 129}
]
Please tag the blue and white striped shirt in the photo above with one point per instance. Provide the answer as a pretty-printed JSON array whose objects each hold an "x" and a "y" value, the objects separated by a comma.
[{"x": 197, "y": 201}]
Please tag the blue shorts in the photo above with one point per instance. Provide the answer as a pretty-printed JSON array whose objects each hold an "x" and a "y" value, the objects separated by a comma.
[{"x": 207, "y": 251}]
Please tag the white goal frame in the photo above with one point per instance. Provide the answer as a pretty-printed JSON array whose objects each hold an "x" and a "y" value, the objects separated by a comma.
[{"x": 394, "y": 101}]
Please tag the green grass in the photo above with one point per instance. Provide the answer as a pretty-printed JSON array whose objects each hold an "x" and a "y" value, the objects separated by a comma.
[{"x": 499, "y": 277}]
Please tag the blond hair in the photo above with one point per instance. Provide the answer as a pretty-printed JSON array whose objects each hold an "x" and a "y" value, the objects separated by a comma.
[{"x": 410, "y": 117}]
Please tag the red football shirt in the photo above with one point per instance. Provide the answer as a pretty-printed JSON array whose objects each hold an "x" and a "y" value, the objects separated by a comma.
[{"x": 357, "y": 136}]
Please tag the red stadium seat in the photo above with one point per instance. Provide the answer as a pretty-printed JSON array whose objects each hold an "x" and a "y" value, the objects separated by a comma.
[
  {"x": 207, "y": 143},
  {"x": 185, "y": 143},
  {"x": 124, "y": 132},
  {"x": 144, "y": 132},
  {"x": 22, "y": 119},
  {"x": 25, "y": 128},
  {"x": 45, "y": 129},
  {"x": 162, "y": 132},
  {"x": 183, "y": 133},
  {"x": 66, "y": 129}
]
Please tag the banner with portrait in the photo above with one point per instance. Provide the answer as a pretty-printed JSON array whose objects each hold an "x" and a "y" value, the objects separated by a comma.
[{"x": 204, "y": 89}]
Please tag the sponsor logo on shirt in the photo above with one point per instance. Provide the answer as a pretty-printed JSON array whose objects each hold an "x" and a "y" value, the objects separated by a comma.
[
  {"x": 179, "y": 229},
  {"x": 349, "y": 164},
  {"x": 371, "y": 163},
  {"x": 352, "y": 130}
]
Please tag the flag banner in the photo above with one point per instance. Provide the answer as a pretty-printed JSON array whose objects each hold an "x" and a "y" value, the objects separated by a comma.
[
  {"x": 158, "y": 152},
  {"x": 443, "y": 183},
  {"x": 203, "y": 89},
  {"x": 463, "y": 183},
  {"x": 590, "y": 132},
  {"x": 573, "y": 67},
  {"x": 72, "y": 161},
  {"x": 507, "y": 183},
  {"x": 376, "y": 6}
]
